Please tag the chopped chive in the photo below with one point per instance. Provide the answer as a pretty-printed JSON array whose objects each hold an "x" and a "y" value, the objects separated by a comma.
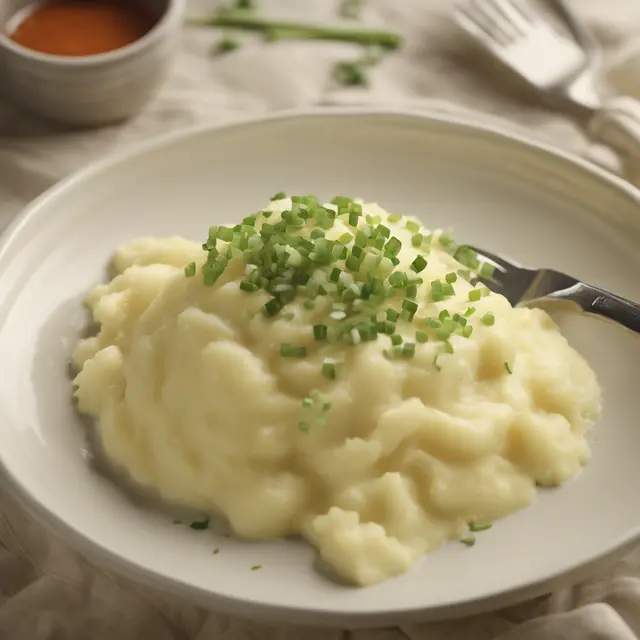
[
  {"x": 488, "y": 319},
  {"x": 392, "y": 248},
  {"x": 422, "y": 336},
  {"x": 418, "y": 264},
  {"x": 329, "y": 369},
  {"x": 445, "y": 239},
  {"x": 225, "y": 234},
  {"x": 451, "y": 277},
  {"x": 408, "y": 350},
  {"x": 412, "y": 226},
  {"x": 448, "y": 347},
  {"x": 394, "y": 217},
  {"x": 468, "y": 541},
  {"x": 508, "y": 368},
  {"x": 486, "y": 270},
  {"x": 290, "y": 351},
  {"x": 320, "y": 331},
  {"x": 398, "y": 279},
  {"x": 410, "y": 306},
  {"x": 200, "y": 525},
  {"x": 272, "y": 307},
  {"x": 443, "y": 314},
  {"x": 190, "y": 270},
  {"x": 248, "y": 286},
  {"x": 475, "y": 295},
  {"x": 303, "y": 426},
  {"x": 467, "y": 331},
  {"x": 474, "y": 527},
  {"x": 353, "y": 263},
  {"x": 396, "y": 339},
  {"x": 227, "y": 44},
  {"x": 392, "y": 315},
  {"x": 470, "y": 311},
  {"x": 411, "y": 291},
  {"x": 416, "y": 240},
  {"x": 281, "y": 195},
  {"x": 255, "y": 567}
]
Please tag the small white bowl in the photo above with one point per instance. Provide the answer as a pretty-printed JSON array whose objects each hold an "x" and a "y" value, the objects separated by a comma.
[{"x": 89, "y": 90}]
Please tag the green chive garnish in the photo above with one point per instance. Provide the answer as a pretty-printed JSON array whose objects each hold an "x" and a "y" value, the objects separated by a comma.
[
  {"x": 468, "y": 541},
  {"x": 488, "y": 319},
  {"x": 508, "y": 368},
  {"x": 290, "y": 351},
  {"x": 201, "y": 525},
  {"x": 272, "y": 307},
  {"x": 248, "y": 286},
  {"x": 227, "y": 44},
  {"x": 408, "y": 350},
  {"x": 320, "y": 331},
  {"x": 418, "y": 264},
  {"x": 486, "y": 270},
  {"x": 329, "y": 369},
  {"x": 190, "y": 270},
  {"x": 475, "y": 295},
  {"x": 479, "y": 527}
]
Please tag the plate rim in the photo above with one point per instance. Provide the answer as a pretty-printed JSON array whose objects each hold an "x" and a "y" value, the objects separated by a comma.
[{"x": 301, "y": 614}]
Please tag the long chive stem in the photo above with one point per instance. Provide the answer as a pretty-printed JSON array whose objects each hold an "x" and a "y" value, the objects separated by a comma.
[{"x": 300, "y": 31}]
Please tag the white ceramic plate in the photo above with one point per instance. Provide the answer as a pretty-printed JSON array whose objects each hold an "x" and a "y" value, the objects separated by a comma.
[{"x": 504, "y": 194}]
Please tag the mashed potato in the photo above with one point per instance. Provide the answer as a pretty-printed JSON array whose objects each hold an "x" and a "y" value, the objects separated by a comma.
[{"x": 376, "y": 405}]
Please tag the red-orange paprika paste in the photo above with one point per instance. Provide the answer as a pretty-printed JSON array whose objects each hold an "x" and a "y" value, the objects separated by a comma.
[{"x": 82, "y": 27}]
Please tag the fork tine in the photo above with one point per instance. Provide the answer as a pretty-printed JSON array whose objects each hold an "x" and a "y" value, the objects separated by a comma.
[
  {"x": 466, "y": 18},
  {"x": 485, "y": 256},
  {"x": 497, "y": 22},
  {"x": 520, "y": 17}
]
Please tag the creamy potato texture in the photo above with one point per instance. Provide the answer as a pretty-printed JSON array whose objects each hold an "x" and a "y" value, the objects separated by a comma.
[{"x": 377, "y": 447}]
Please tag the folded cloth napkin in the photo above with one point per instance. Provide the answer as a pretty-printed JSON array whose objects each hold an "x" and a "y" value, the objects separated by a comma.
[{"x": 49, "y": 592}]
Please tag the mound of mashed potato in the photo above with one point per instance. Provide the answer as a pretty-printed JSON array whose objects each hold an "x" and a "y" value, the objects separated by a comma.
[{"x": 378, "y": 415}]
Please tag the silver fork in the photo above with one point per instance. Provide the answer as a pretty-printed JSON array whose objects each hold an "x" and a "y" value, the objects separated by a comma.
[
  {"x": 523, "y": 286},
  {"x": 562, "y": 66}
]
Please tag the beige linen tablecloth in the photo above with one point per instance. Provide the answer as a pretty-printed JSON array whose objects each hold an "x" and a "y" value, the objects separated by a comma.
[{"x": 47, "y": 592}]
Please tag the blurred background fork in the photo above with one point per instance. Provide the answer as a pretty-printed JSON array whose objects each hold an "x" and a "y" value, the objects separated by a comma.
[
  {"x": 523, "y": 286},
  {"x": 562, "y": 64}
]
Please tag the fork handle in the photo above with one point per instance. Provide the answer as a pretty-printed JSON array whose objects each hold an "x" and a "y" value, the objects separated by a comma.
[
  {"x": 605, "y": 304},
  {"x": 617, "y": 125}
]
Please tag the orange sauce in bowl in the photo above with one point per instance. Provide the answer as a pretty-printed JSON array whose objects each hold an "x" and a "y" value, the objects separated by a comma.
[{"x": 82, "y": 27}]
